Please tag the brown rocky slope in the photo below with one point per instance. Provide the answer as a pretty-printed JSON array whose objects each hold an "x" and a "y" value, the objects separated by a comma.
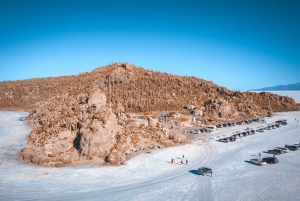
[{"x": 92, "y": 117}]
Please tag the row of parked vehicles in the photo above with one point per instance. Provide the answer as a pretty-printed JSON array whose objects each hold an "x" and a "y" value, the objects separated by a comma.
[
  {"x": 264, "y": 161},
  {"x": 251, "y": 131},
  {"x": 275, "y": 151},
  {"x": 238, "y": 135},
  {"x": 250, "y": 121},
  {"x": 274, "y": 125}
]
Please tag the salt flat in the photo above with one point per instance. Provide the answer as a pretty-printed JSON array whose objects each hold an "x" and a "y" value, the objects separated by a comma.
[{"x": 151, "y": 176}]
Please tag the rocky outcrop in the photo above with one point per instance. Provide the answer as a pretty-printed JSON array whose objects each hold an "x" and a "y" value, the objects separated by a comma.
[
  {"x": 71, "y": 130},
  {"x": 78, "y": 129},
  {"x": 90, "y": 118}
]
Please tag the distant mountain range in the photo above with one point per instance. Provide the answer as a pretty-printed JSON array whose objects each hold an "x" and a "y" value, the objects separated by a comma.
[{"x": 288, "y": 87}]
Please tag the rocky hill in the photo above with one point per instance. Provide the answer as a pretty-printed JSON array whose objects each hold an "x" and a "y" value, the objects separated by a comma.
[{"x": 107, "y": 114}]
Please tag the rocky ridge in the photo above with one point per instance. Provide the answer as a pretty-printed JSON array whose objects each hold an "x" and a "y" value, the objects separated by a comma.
[{"x": 107, "y": 114}]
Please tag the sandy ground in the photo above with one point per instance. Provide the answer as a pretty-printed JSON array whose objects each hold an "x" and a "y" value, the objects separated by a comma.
[{"x": 151, "y": 176}]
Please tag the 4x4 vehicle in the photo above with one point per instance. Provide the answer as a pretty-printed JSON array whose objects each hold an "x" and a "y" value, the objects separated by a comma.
[
  {"x": 283, "y": 149},
  {"x": 260, "y": 130},
  {"x": 219, "y": 126},
  {"x": 258, "y": 161},
  {"x": 204, "y": 171},
  {"x": 225, "y": 139},
  {"x": 276, "y": 152},
  {"x": 271, "y": 160},
  {"x": 291, "y": 147}
]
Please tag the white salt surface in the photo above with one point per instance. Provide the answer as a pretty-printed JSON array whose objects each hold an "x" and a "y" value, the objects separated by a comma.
[{"x": 150, "y": 176}]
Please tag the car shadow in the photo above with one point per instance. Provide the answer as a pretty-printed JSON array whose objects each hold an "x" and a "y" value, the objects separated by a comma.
[
  {"x": 246, "y": 161},
  {"x": 265, "y": 152},
  {"x": 195, "y": 172}
]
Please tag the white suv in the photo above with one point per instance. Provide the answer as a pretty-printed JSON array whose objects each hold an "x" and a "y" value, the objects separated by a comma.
[{"x": 257, "y": 161}]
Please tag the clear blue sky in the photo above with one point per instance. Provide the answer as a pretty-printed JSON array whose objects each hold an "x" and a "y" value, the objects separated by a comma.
[{"x": 237, "y": 44}]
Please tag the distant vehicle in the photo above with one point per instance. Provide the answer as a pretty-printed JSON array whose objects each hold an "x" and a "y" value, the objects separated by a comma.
[
  {"x": 224, "y": 125},
  {"x": 278, "y": 125},
  {"x": 225, "y": 139},
  {"x": 260, "y": 130},
  {"x": 255, "y": 120},
  {"x": 292, "y": 147},
  {"x": 244, "y": 133},
  {"x": 252, "y": 131},
  {"x": 258, "y": 161},
  {"x": 239, "y": 123},
  {"x": 233, "y": 123},
  {"x": 268, "y": 127},
  {"x": 232, "y": 138},
  {"x": 262, "y": 121},
  {"x": 210, "y": 128},
  {"x": 219, "y": 126},
  {"x": 275, "y": 152},
  {"x": 195, "y": 131},
  {"x": 204, "y": 171},
  {"x": 283, "y": 149},
  {"x": 236, "y": 136},
  {"x": 271, "y": 160},
  {"x": 229, "y": 124},
  {"x": 246, "y": 122},
  {"x": 282, "y": 122}
]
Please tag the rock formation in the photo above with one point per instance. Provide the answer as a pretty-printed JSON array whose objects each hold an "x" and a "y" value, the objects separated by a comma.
[{"x": 107, "y": 114}]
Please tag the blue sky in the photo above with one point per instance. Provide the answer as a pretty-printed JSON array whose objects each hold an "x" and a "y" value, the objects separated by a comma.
[{"x": 237, "y": 44}]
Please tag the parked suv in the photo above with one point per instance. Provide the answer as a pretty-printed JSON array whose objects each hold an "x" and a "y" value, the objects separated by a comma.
[
  {"x": 271, "y": 160},
  {"x": 204, "y": 171},
  {"x": 275, "y": 151},
  {"x": 283, "y": 149},
  {"x": 258, "y": 161},
  {"x": 291, "y": 147}
]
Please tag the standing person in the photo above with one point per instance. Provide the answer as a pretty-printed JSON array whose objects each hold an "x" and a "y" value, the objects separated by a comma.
[
  {"x": 181, "y": 161},
  {"x": 259, "y": 154},
  {"x": 172, "y": 160},
  {"x": 182, "y": 156},
  {"x": 186, "y": 161},
  {"x": 211, "y": 173}
]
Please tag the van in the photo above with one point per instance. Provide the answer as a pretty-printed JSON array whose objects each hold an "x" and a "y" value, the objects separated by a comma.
[
  {"x": 275, "y": 152},
  {"x": 292, "y": 147},
  {"x": 258, "y": 161},
  {"x": 225, "y": 140},
  {"x": 210, "y": 128},
  {"x": 271, "y": 160}
]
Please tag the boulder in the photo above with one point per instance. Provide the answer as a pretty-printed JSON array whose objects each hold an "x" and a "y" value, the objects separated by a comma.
[
  {"x": 97, "y": 99},
  {"x": 180, "y": 138},
  {"x": 113, "y": 159}
]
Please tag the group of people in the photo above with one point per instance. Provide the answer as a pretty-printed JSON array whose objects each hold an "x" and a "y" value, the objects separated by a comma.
[{"x": 181, "y": 161}]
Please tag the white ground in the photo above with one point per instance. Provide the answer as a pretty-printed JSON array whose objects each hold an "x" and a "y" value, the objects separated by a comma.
[{"x": 150, "y": 176}]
